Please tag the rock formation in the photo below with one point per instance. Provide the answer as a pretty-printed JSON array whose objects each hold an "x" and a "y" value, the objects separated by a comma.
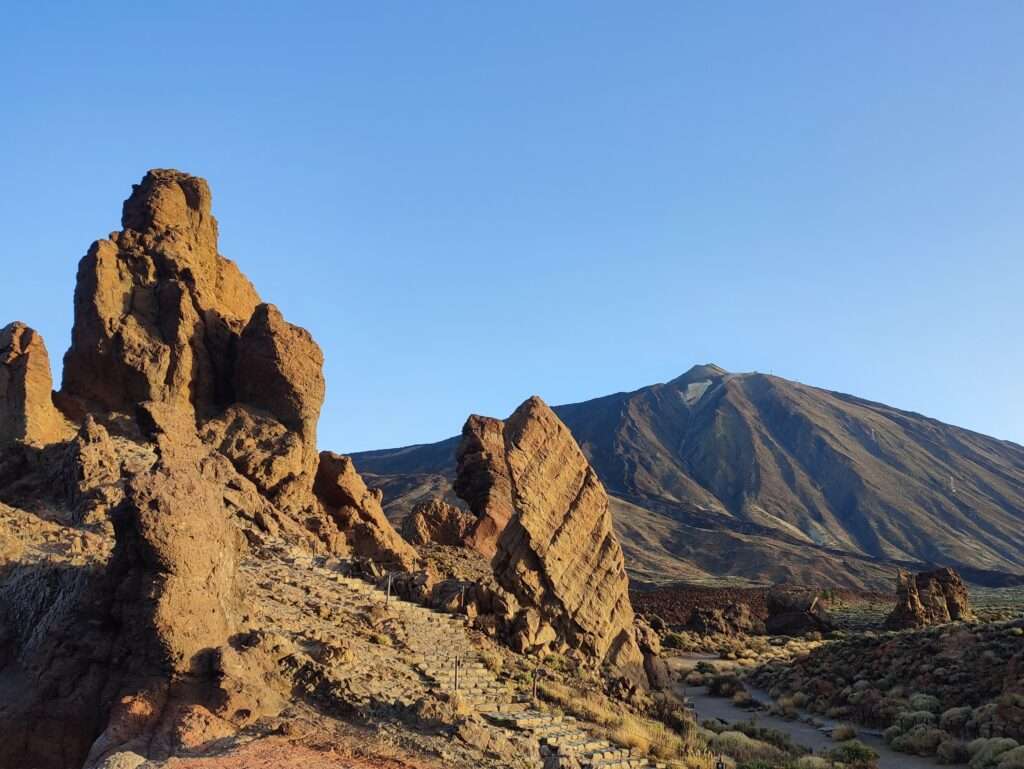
[
  {"x": 436, "y": 522},
  {"x": 357, "y": 511},
  {"x": 795, "y": 612},
  {"x": 483, "y": 480},
  {"x": 158, "y": 311},
  {"x": 196, "y": 408},
  {"x": 27, "y": 413},
  {"x": 556, "y": 553},
  {"x": 929, "y": 598}
]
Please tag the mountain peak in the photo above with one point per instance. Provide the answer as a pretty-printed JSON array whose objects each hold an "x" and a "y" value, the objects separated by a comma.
[{"x": 699, "y": 372}]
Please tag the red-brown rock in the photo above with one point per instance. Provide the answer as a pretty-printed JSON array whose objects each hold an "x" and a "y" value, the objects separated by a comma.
[
  {"x": 436, "y": 522},
  {"x": 27, "y": 413},
  {"x": 929, "y": 598},
  {"x": 558, "y": 554}
]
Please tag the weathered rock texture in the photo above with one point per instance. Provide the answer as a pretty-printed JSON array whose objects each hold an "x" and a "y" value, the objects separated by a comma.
[
  {"x": 196, "y": 408},
  {"x": 357, "y": 511},
  {"x": 158, "y": 312},
  {"x": 557, "y": 553},
  {"x": 929, "y": 598},
  {"x": 437, "y": 522},
  {"x": 795, "y": 612},
  {"x": 484, "y": 481},
  {"x": 27, "y": 412}
]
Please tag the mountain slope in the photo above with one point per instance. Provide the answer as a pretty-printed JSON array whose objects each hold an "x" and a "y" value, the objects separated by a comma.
[{"x": 798, "y": 473}]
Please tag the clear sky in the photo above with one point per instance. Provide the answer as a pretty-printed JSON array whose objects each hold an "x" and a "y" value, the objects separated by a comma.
[{"x": 471, "y": 202}]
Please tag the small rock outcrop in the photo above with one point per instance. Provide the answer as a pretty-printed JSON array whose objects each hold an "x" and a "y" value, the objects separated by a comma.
[
  {"x": 796, "y": 612},
  {"x": 357, "y": 511},
  {"x": 439, "y": 523},
  {"x": 929, "y": 598},
  {"x": 731, "y": 621},
  {"x": 27, "y": 413},
  {"x": 557, "y": 552}
]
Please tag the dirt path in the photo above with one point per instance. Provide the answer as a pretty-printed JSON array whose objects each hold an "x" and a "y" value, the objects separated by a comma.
[{"x": 805, "y": 734}]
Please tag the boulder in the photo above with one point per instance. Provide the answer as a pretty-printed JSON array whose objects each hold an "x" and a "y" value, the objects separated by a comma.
[
  {"x": 27, "y": 413},
  {"x": 795, "y": 612},
  {"x": 358, "y": 513},
  {"x": 437, "y": 522},
  {"x": 556, "y": 552},
  {"x": 929, "y": 598},
  {"x": 733, "y": 620}
]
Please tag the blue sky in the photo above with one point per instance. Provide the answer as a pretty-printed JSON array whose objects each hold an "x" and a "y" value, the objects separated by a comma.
[{"x": 468, "y": 203}]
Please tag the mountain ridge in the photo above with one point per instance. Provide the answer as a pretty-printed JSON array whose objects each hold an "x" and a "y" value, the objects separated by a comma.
[{"x": 779, "y": 461}]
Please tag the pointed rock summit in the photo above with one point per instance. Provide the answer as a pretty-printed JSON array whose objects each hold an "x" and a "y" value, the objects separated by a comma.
[
  {"x": 195, "y": 406},
  {"x": 158, "y": 311},
  {"x": 545, "y": 513}
]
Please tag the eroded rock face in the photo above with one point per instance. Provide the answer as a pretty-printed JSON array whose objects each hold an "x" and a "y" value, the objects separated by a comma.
[
  {"x": 929, "y": 598},
  {"x": 27, "y": 413},
  {"x": 437, "y": 522},
  {"x": 358, "y": 512},
  {"x": 196, "y": 408},
  {"x": 158, "y": 311},
  {"x": 557, "y": 553},
  {"x": 483, "y": 480}
]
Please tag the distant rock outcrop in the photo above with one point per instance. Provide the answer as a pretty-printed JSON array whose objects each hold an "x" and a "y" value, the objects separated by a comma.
[
  {"x": 929, "y": 598},
  {"x": 795, "y": 612},
  {"x": 556, "y": 552},
  {"x": 357, "y": 512},
  {"x": 436, "y": 522},
  {"x": 27, "y": 413}
]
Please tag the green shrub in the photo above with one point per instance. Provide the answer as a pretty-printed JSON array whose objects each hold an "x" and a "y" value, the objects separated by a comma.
[
  {"x": 1012, "y": 759},
  {"x": 951, "y": 752},
  {"x": 844, "y": 732},
  {"x": 986, "y": 753},
  {"x": 955, "y": 720},
  {"x": 855, "y": 754},
  {"x": 922, "y": 740},
  {"x": 925, "y": 702},
  {"x": 724, "y": 685},
  {"x": 908, "y": 719},
  {"x": 672, "y": 641}
]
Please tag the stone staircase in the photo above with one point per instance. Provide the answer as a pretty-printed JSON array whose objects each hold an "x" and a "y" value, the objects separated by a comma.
[{"x": 438, "y": 639}]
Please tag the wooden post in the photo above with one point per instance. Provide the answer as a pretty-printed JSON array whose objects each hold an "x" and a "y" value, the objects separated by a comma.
[
  {"x": 463, "y": 602},
  {"x": 456, "y": 673},
  {"x": 387, "y": 598}
]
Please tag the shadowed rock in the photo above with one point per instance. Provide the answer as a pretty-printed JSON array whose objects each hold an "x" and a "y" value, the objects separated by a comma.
[
  {"x": 929, "y": 598},
  {"x": 27, "y": 413},
  {"x": 437, "y": 522}
]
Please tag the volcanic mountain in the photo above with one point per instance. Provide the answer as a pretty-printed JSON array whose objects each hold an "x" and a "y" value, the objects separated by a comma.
[{"x": 749, "y": 475}]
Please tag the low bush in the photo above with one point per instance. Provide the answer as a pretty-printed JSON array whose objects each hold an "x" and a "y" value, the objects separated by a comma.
[
  {"x": 854, "y": 754},
  {"x": 844, "y": 732}
]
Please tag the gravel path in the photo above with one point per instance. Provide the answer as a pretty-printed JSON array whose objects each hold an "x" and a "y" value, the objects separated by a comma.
[{"x": 802, "y": 733}]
